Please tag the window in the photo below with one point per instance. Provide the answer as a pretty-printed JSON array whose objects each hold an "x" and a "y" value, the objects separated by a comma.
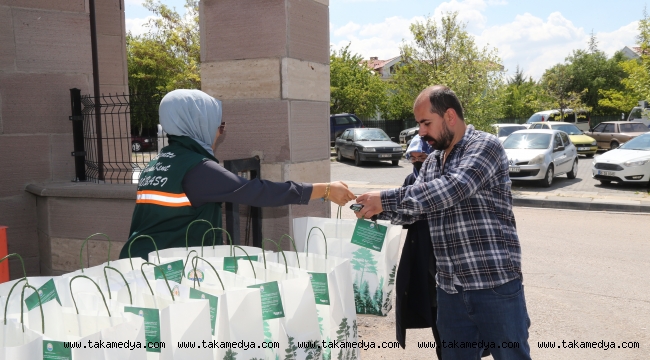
[
  {"x": 565, "y": 139},
  {"x": 346, "y": 134},
  {"x": 507, "y": 130},
  {"x": 609, "y": 128},
  {"x": 557, "y": 140},
  {"x": 633, "y": 127},
  {"x": 524, "y": 140},
  {"x": 545, "y": 126},
  {"x": 599, "y": 128},
  {"x": 345, "y": 120},
  {"x": 535, "y": 118},
  {"x": 636, "y": 113}
]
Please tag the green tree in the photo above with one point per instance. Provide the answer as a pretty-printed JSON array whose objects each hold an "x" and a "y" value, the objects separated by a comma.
[
  {"x": 445, "y": 53},
  {"x": 522, "y": 97},
  {"x": 363, "y": 260},
  {"x": 230, "y": 355},
  {"x": 354, "y": 88},
  {"x": 557, "y": 82},
  {"x": 291, "y": 350},
  {"x": 378, "y": 298}
]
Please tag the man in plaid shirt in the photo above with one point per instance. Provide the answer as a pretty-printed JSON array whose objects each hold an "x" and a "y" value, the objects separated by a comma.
[{"x": 463, "y": 190}]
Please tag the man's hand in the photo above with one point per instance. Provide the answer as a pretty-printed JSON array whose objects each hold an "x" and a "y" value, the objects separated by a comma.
[
  {"x": 371, "y": 202},
  {"x": 340, "y": 194}
]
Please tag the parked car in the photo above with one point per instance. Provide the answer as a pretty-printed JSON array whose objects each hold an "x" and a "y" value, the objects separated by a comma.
[
  {"x": 580, "y": 118},
  {"x": 405, "y": 136},
  {"x": 629, "y": 163},
  {"x": 586, "y": 144},
  {"x": 541, "y": 155},
  {"x": 142, "y": 143},
  {"x": 611, "y": 134},
  {"x": 341, "y": 122},
  {"x": 367, "y": 144},
  {"x": 503, "y": 130}
]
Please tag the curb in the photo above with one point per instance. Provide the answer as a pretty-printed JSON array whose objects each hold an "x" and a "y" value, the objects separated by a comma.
[{"x": 586, "y": 205}]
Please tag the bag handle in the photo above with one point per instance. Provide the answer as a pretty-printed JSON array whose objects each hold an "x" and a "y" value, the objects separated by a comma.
[
  {"x": 109, "y": 286},
  {"x": 9, "y": 296},
  {"x": 248, "y": 257},
  {"x": 81, "y": 251},
  {"x": 98, "y": 289},
  {"x": 279, "y": 249},
  {"x": 154, "y": 271},
  {"x": 194, "y": 263},
  {"x": 187, "y": 259},
  {"x": 22, "y": 299},
  {"x": 214, "y": 239},
  {"x": 295, "y": 249},
  {"x": 22, "y": 263},
  {"x": 154, "y": 245},
  {"x": 324, "y": 239},
  {"x": 187, "y": 232}
]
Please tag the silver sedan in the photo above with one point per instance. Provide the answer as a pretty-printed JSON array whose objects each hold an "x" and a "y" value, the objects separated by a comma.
[{"x": 541, "y": 155}]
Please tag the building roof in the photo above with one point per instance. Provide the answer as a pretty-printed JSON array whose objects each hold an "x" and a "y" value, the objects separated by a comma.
[{"x": 375, "y": 64}]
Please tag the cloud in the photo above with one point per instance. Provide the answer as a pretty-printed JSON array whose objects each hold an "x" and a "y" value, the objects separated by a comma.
[
  {"x": 469, "y": 12},
  {"x": 376, "y": 39},
  {"x": 138, "y": 26}
]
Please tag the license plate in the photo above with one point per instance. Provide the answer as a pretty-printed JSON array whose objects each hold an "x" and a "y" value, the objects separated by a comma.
[
  {"x": 515, "y": 169},
  {"x": 583, "y": 149},
  {"x": 385, "y": 155},
  {"x": 606, "y": 173}
]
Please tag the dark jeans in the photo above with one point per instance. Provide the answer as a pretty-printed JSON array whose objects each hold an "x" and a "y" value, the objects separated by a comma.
[{"x": 496, "y": 317}]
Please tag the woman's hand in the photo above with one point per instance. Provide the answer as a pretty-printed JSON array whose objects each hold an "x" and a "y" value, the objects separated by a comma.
[{"x": 338, "y": 192}]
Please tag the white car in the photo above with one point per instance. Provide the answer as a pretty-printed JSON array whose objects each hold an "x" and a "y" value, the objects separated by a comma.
[
  {"x": 630, "y": 163},
  {"x": 541, "y": 155},
  {"x": 503, "y": 130}
]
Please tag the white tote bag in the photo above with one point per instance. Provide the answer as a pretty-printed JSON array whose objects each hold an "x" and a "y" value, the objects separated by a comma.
[
  {"x": 18, "y": 341},
  {"x": 372, "y": 249},
  {"x": 289, "y": 310},
  {"x": 331, "y": 282}
]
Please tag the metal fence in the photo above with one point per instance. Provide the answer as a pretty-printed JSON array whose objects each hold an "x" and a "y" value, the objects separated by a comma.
[{"x": 113, "y": 152}]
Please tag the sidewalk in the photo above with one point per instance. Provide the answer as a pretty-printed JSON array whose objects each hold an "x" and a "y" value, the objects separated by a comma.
[{"x": 560, "y": 199}]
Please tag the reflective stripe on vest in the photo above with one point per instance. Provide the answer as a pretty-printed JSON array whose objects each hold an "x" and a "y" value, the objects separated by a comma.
[{"x": 162, "y": 198}]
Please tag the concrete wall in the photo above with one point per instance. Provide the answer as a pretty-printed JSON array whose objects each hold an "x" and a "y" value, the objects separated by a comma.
[
  {"x": 45, "y": 51},
  {"x": 269, "y": 63}
]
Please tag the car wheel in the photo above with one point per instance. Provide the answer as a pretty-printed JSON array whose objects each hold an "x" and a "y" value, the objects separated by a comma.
[
  {"x": 605, "y": 182},
  {"x": 548, "y": 178},
  {"x": 613, "y": 145},
  {"x": 339, "y": 158},
  {"x": 574, "y": 170},
  {"x": 136, "y": 146},
  {"x": 395, "y": 162},
  {"x": 357, "y": 158}
]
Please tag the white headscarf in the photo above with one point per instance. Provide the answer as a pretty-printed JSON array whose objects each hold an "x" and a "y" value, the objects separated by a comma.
[{"x": 191, "y": 113}]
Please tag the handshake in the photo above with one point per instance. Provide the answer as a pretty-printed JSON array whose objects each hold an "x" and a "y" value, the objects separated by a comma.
[{"x": 367, "y": 206}]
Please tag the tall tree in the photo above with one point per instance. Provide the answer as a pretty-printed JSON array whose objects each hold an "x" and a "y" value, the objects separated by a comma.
[
  {"x": 354, "y": 88},
  {"x": 557, "y": 82},
  {"x": 443, "y": 52}
]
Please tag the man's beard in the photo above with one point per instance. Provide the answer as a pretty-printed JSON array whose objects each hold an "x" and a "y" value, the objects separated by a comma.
[{"x": 446, "y": 137}]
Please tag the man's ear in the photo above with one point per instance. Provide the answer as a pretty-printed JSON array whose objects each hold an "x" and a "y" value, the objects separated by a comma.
[{"x": 451, "y": 117}]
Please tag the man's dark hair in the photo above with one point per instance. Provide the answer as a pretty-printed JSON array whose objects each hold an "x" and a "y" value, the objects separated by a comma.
[{"x": 443, "y": 98}]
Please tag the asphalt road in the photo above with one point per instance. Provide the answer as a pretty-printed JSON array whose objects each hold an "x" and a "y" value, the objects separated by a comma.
[
  {"x": 586, "y": 277},
  {"x": 379, "y": 175}
]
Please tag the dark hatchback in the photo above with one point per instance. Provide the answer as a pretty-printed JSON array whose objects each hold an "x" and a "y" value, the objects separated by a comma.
[{"x": 367, "y": 144}]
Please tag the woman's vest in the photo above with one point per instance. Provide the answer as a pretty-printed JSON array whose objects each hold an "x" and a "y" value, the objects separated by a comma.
[{"x": 162, "y": 210}]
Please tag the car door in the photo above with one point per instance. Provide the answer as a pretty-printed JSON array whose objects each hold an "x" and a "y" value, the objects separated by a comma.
[
  {"x": 559, "y": 156},
  {"x": 597, "y": 134},
  {"x": 570, "y": 152},
  {"x": 343, "y": 143},
  {"x": 608, "y": 134}
]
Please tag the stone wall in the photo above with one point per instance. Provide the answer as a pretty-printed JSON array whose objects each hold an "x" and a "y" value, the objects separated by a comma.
[
  {"x": 44, "y": 51},
  {"x": 269, "y": 64}
]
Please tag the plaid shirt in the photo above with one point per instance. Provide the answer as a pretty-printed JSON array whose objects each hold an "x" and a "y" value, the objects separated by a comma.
[{"x": 469, "y": 208}]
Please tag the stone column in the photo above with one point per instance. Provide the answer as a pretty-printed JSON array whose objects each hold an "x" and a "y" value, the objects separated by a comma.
[{"x": 268, "y": 61}]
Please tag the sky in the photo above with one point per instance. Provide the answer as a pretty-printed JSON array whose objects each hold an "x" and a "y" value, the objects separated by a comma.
[{"x": 533, "y": 35}]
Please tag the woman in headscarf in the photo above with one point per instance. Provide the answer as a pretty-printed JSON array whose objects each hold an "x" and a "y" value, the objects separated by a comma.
[
  {"x": 186, "y": 183},
  {"x": 415, "y": 296}
]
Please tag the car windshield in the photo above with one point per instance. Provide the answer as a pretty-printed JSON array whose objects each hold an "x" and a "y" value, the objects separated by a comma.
[
  {"x": 633, "y": 127},
  {"x": 535, "y": 118},
  {"x": 527, "y": 141},
  {"x": 569, "y": 129},
  {"x": 371, "y": 135},
  {"x": 638, "y": 143},
  {"x": 507, "y": 130}
]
